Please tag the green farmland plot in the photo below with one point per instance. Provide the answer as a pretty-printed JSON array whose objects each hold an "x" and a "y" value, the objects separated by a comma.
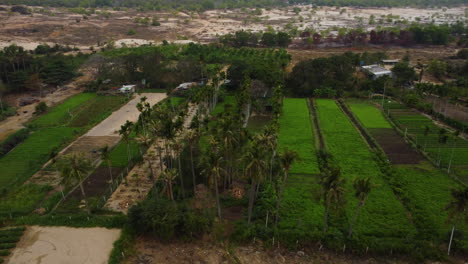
[
  {"x": 368, "y": 115},
  {"x": 453, "y": 151},
  {"x": 301, "y": 215},
  {"x": 60, "y": 114},
  {"x": 296, "y": 134},
  {"x": 425, "y": 188},
  {"x": 383, "y": 221},
  {"x": 28, "y": 157}
]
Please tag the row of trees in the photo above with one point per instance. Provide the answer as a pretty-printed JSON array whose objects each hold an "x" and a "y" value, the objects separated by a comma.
[
  {"x": 200, "y": 5},
  {"x": 251, "y": 39}
]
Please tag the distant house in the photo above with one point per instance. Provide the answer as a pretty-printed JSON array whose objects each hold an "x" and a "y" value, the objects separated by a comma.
[
  {"x": 127, "y": 89},
  {"x": 376, "y": 71},
  {"x": 390, "y": 62}
]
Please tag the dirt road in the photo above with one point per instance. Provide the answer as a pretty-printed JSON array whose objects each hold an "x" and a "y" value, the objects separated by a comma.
[
  {"x": 112, "y": 124},
  {"x": 57, "y": 245}
]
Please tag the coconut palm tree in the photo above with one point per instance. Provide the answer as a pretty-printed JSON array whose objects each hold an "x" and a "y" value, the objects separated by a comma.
[
  {"x": 255, "y": 171},
  {"x": 124, "y": 132},
  {"x": 177, "y": 146},
  {"x": 192, "y": 137},
  {"x": 105, "y": 156},
  {"x": 457, "y": 209},
  {"x": 287, "y": 158},
  {"x": 74, "y": 168},
  {"x": 213, "y": 169},
  {"x": 168, "y": 176},
  {"x": 332, "y": 191},
  {"x": 362, "y": 188}
]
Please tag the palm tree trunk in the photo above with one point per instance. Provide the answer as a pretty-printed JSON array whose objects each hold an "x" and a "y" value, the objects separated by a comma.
[
  {"x": 325, "y": 220},
  {"x": 151, "y": 169},
  {"x": 181, "y": 177},
  {"x": 353, "y": 222},
  {"x": 110, "y": 172},
  {"x": 193, "y": 171},
  {"x": 88, "y": 210},
  {"x": 217, "y": 196},
  {"x": 450, "y": 242},
  {"x": 251, "y": 201}
]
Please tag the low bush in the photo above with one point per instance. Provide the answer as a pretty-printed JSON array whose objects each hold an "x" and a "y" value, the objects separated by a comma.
[
  {"x": 75, "y": 220},
  {"x": 7, "y": 245},
  {"x": 165, "y": 219}
]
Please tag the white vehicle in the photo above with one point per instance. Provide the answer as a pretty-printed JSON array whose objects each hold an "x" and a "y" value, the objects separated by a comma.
[{"x": 127, "y": 88}]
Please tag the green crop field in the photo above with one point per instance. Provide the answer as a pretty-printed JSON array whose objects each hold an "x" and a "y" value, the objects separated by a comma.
[
  {"x": 301, "y": 214},
  {"x": 20, "y": 163},
  {"x": 426, "y": 189},
  {"x": 454, "y": 151},
  {"x": 383, "y": 220},
  {"x": 368, "y": 115},
  {"x": 296, "y": 134},
  {"x": 60, "y": 114}
]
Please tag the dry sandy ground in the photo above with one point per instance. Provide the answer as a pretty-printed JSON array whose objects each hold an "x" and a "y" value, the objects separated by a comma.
[
  {"x": 58, "y": 25},
  {"x": 59, "y": 245},
  {"x": 112, "y": 124},
  {"x": 209, "y": 252}
]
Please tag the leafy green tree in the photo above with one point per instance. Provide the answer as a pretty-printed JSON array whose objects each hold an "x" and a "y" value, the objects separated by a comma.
[
  {"x": 437, "y": 68},
  {"x": 283, "y": 39},
  {"x": 255, "y": 171},
  {"x": 269, "y": 39},
  {"x": 3, "y": 90},
  {"x": 75, "y": 168},
  {"x": 125, "y": 132}
]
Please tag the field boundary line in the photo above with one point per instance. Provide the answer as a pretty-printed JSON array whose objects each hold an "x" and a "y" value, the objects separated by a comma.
[{"x": 315, "y": 123}]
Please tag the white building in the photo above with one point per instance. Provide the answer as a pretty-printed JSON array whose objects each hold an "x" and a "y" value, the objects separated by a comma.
[{"x": 376, "y": 71}]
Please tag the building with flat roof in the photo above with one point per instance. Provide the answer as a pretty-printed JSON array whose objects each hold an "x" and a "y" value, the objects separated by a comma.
[{"x": 376, "y": 71}]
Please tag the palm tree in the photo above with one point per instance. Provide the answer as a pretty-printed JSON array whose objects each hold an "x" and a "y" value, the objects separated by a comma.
[
  {"x": 124, "y": 132},
  {"x": 362, "y": 188},
  {"x": 255, "y": 170},
  {"x": 332, "y": 191},
  {"x": 457, "y": 210},
  {"x": 105, "y": 156},
  {"x": 168, "y": 176},
  {"x": 287, "y": 158},
  {"x": 75, "y": 167},
  {"x": 177, "y": 146},
  {"x": 192, "y": 139},
  {"x": 213, "y": 169}
]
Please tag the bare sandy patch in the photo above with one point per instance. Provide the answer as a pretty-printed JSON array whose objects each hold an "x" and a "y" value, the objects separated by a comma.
[
  {"x": 112, "y": 124},
  {"x": 57, "y": 245}
]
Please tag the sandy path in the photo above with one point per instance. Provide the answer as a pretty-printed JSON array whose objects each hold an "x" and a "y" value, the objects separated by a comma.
[
  {"x": 58, "y": 245},
  {"x": 112, "y": 124},
  {"x": 138, "y": 184}
]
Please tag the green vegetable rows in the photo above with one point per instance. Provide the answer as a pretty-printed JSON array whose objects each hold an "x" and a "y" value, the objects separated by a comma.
[{"x": 383, "y": 222}]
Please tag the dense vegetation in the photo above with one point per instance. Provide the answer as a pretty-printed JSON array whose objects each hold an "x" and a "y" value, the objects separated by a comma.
[
  {"x": 22, "y": 71},
  {"x": 211, "y": 4}
]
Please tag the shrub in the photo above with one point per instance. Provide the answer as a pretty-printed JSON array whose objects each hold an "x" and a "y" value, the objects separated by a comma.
[
  {"x": 131, "y": 32},
  {"x": 165, "y": 219},
  {"x": 41, "y": 108}
]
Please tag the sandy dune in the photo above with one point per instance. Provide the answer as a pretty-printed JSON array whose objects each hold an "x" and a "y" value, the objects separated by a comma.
[
  {"x": 58, "y": 245},
  {"x": 112, "y": 124}
]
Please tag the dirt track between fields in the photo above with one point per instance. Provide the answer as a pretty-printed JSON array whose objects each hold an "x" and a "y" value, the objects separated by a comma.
[{"x": 58, "y": 245}]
